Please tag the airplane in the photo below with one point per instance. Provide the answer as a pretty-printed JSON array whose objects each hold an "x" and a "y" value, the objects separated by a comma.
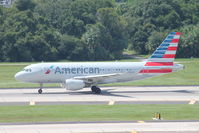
[{"x": 76, "y": 76}]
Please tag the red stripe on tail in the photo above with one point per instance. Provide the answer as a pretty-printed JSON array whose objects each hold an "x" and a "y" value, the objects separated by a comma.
[
  {"x": 175, "y": 41},
  {"x": 169, "y": 56},
  {"x": 172, "y": 48},
  {"x": 159, "y": 64}
]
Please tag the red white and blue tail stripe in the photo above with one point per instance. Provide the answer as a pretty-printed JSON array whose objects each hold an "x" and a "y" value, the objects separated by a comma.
[
  {"x": 164, "y": 55},
  {"x": 167, "y": 50}
]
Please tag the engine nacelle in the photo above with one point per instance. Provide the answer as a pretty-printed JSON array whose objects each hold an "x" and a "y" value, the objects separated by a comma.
[{"x": 73, "y": 84}]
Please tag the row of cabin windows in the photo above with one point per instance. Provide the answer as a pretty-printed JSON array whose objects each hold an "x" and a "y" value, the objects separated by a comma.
[{"x": 116, "y": 69}]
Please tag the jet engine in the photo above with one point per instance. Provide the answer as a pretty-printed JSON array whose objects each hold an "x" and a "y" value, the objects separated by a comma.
[{"x": 73, "y": 84}]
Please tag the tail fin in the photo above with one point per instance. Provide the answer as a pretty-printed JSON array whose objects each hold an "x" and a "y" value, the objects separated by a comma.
[{"x": 164, "y": 55}]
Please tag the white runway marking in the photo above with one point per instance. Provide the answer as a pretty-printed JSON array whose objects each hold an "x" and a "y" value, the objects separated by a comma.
[
  {"x": 192, "y": 102},
  {"x": 111, "y": 102},
  {"x": 32, "y": 103}
]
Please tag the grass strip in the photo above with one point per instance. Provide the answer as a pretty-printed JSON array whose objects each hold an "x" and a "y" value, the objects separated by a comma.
[{"x": 96, "y": 113}]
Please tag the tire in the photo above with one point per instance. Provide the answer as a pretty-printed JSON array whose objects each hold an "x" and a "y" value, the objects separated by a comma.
[
  {"x": 98, "y": 91},
  {"x": 93, "y": 89},
  {"x": 40, "y": 91}
]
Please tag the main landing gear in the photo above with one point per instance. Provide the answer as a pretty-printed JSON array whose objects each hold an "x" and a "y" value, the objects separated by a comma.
[
  {"x": 96, "y": 89},
  {"x": 40, "y": 89}
]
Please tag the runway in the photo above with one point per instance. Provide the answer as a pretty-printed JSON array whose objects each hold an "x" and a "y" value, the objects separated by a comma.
[
  {"x": 110, "y": 95},
  {"x": 120, "y": 127}
]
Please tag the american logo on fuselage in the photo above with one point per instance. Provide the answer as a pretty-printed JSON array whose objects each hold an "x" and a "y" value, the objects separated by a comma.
[
  {"x": 49, "y": 70},
  {"x": 77, "y": 70}
]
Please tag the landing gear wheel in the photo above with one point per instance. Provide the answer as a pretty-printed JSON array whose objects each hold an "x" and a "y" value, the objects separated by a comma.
[
  {"x": 93, "y": 88},
  {"x": 96, "y": 90},
  {"x": 40, "y": 91}
]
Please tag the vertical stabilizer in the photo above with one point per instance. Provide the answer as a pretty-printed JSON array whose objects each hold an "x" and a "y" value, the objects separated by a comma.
[
  {"x": 166, "y": 52},
  {"x": 163, "y": 57}
]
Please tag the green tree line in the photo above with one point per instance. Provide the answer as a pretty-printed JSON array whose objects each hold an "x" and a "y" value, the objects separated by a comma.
[{"x": 47, "y": 30}]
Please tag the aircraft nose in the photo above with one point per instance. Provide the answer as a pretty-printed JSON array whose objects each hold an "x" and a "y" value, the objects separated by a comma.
[{"x": 18, "y": 76}]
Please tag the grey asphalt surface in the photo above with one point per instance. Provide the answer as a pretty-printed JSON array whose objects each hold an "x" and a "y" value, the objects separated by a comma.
[
  {"x": 93, "y": 103},
  {"x": 116, "y": 95},
  {"x": 97, "y": 122},
  {"x": 111, "y": 127},
  {"x": 110, "y": 95}
]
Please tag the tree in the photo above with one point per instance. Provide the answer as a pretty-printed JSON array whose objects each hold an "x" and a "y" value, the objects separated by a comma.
[
  {"x": 154, "y": 41},
  {"x": 23, "y": 5},
  {"x": 189, "y": 42},
  {"x": 172, "y": 20},
  {"x": 72, "y": 48},
  {"x": 138, "y": 42},
  {"x": 69, "y": 16},
  {"x": 85, "y": 10},
  {"x": 73, "y": 26},
  {"x": 54, "y": 11},
  {"x": 116, "y": 26},
  {"x": 99, "y": 42},
  {"x": 24, "y": 37},
  {"x": 151, "y": 17},
  {"x": 36, "y": 30}
]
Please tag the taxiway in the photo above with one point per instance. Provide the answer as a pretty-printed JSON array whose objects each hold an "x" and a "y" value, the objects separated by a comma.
[
  {"x": 110, "y": 95},
  {"x": 120, "y": 127}
]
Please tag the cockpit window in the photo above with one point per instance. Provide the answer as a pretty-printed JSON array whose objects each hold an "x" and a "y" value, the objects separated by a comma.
[{"x": 27, "y": 70}]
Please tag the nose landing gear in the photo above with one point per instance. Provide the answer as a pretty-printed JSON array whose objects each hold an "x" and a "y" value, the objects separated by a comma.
[
  {"x": 95, "y": 89},
  {"x": 40, "y": 89}
]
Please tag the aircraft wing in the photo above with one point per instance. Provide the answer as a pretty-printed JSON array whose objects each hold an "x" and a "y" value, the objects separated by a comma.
[{"x": 97, "y": 78}]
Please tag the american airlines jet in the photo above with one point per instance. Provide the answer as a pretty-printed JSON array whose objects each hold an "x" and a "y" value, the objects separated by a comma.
[{"x": 76, "y": 76}]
